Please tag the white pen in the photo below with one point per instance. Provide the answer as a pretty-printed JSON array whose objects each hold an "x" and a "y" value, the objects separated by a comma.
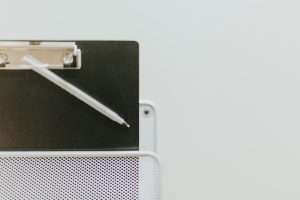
[{"x": 43, "y": 70}]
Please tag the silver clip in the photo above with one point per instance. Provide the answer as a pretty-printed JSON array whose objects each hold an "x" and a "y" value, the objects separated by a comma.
[{"x": 58, "y": 55}]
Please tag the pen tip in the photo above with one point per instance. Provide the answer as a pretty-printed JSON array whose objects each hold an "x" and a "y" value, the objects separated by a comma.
[{"x": 125, "y": 124}]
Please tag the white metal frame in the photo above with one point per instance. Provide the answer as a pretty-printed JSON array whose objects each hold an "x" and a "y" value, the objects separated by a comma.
[
  {"x": 5, "y": 154},
  {"x": 88, "y": 154}
]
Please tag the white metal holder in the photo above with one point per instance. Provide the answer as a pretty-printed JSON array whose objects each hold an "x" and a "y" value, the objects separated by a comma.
[{"x": 79, "y": 175}]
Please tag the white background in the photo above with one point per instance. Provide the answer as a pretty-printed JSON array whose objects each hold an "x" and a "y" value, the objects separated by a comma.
[{"x": 224, "y": 76}]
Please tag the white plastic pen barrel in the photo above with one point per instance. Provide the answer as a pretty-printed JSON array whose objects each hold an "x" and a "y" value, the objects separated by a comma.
[{"x": 42, "y": 69}]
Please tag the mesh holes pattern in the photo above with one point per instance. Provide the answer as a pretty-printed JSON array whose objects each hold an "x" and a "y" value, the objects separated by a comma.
[{"x": 74, "y": 178}]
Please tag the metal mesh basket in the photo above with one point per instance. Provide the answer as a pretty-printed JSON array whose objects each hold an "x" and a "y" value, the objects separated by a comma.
[{"x": 79, "y": 175}]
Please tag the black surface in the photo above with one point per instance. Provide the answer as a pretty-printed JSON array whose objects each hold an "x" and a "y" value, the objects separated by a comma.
[{"x": 35, "y": 114}]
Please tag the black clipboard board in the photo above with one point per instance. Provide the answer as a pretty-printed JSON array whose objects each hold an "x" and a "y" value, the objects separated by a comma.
[{"x": 37, "y": 115}]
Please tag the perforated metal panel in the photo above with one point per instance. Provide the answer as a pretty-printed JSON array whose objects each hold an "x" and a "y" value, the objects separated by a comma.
[{"x": 79, "y": 175}]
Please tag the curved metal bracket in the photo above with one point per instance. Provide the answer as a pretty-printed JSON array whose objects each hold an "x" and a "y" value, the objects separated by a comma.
[{"x": 148, "y": 132}]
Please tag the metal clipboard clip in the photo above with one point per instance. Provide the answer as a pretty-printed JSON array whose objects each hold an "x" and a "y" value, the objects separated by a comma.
[{"x": 58, "y": 55}]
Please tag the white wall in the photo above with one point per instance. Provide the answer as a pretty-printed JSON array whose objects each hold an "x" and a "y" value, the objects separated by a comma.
[{"x": 224, "y": 76}]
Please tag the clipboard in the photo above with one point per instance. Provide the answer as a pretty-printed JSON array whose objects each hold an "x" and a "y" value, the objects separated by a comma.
[{"x": 36, "y": 115}]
